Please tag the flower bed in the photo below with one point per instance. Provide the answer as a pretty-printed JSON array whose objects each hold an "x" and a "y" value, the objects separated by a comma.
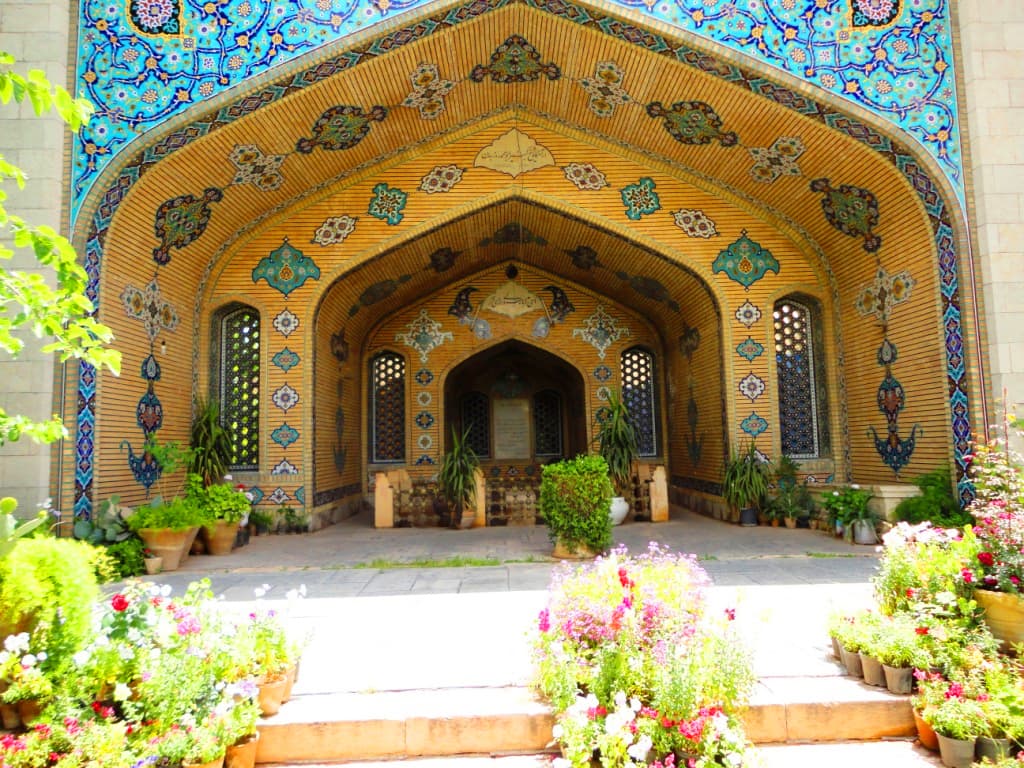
[
  {"x": 636, "y": 668},
  {"x": 161, "y": 680}
]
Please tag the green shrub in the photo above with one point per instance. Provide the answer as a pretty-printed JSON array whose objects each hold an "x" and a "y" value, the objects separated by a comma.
[
  {"x": 574, "y": 498},
  {"x": 937, "y": 502},
  {"x": 48, "y": 588},
  {"x": 219, "y": 501},
  {"x": 127, "y": 557},
  {"x": 177, "y": 515}
]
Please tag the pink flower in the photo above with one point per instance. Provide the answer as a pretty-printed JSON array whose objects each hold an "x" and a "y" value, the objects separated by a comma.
[
  {"x": 967, "y": 576},
  {"x": 730, "y": 614},
  {"x": 544, "y": 621}
]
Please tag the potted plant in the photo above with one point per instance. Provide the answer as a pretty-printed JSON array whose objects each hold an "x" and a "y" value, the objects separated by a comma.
[
  {"x": 745, "y": 484},
  {"x": 168, "y": 528},
  {"x": 574, "y": 498},
  {"x": 848, "y": 507},
  {"x": 210, "y": 443},
  {"x": 791, "y": 501},
  {"x": 457, "y": 479},
  {"x": 225, "y": 506},
  {"x": 617, "y": 444}
]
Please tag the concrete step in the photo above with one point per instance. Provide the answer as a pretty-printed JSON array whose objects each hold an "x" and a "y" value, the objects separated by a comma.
[
  {"x": 885, "y": 754},
  {"x": 494, "y": 721}
]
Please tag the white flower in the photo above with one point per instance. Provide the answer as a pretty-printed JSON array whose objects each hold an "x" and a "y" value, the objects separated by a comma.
[
  {"x": 557, "y": 731},
  {"x": 17, "y": 643},
  {"x": 855, "y": 486},
  {"x": 4, "y": 657},
  {"x": 122, "y": 692},
  {"x": 634, "y": 704},
  {"x": 639, "y": 750},
  {"x": 165, "y": 590},
  {"x": 41, "y": 655},
  {"x": 734, "y": 759},
  {"x": 228, "y": 477},
  {"x": 620, "y": 700},
  {"x": 81, "y": 658},
  {"x": 28, "y": 660}
]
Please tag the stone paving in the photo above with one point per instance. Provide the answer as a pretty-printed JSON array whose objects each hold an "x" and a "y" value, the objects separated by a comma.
[{"x": 403, "y": 628}]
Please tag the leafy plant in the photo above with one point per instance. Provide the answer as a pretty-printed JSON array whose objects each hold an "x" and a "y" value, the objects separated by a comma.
[
  {"x": 617, "y": 443},
  {"x": 457, "y": 475},
  {"x": 211, "y": 443},
  {"x": 746, "y": 479},
  {"x": 172, "y": 458},
  {"x": 937, "y": 502},
  {"x": 219, "y": 501},
  {"x": 848, "y": 504},
  {"x": 106, "y": 526},
  {"x": 128, "y": 557},
  {"x": 56, "y": 309},
  {"x": 261, "y": 520},
  {"x": 12, "y": 529},
  {"x": 177, "y": 515},
  {"x": 574, "y": 499}
]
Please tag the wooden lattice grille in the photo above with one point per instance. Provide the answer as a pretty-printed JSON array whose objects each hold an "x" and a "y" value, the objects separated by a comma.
[
  {"x": 239, "y": 389},
  {"x": 387, "y": 438},
  {"x": 639, "y": 393}
]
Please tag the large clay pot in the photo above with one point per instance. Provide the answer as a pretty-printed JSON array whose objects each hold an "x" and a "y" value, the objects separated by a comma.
[
  {"x": 564, "y": 552},
  {"x": 220, "y": 539},
  {"x": 154, "y": 565},
  {"x": 169, "y": 545},
  {"x": 1004, "y": 615}
]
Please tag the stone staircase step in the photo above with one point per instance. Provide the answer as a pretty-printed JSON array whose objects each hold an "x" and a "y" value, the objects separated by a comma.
[
  {"x": 511, "y": 720},
  {"x": 902, "y": 753},
  {"x": 472, "y": 761}
]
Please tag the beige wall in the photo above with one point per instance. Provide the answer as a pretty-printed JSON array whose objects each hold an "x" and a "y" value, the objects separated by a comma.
[
  {"x": 992, "y": 40},
  {"x": 36, "y": 34}
]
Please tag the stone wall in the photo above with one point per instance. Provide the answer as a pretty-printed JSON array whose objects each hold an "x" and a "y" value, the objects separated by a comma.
[
  {"x": 992, "y": 44},
  {"x": 36, "y": 34}
]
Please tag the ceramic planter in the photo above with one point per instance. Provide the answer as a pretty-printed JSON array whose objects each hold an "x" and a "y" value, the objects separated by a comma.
[
  {"x": 1004, "y": 615},
  {"x": 618, "y": 510},
  {"x": 220, "y": 539},
  {"x": 925, "y": 733},
  {"x": 170, "y": 546},
  {"x": 899, "y": 680},
  {"x": 993, "y": 749},
  {"x": 873, "y": 672},
  {"x": 242, "y": 754},
  {"x": 154, "y": 565},
  {"x": 272, "y": 695},
  {"x": 956, "y": 753}
]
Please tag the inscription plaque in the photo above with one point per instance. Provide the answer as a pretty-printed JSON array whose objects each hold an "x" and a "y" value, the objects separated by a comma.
[{"x": 512, "y": 428}]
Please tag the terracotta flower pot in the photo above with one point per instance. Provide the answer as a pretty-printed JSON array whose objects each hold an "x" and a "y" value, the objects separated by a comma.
[
  {"x": 170, "y": 546},
  {"x": 154, "y": 565},
  {"x": 243, "y": 753},
  {"x": 290, "y": 676},
  {"x": 272, "y": 694},
  {"x": 925, "y": 733},
  {"x": 220, "y": 540}
]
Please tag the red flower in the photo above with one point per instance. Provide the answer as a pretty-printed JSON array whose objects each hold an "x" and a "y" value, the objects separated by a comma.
[
  {"x": 986, "y": 558},
  {"x": 910, "y": 593},
  {"x": 730, "y": 614},
  {"x": 921, "y": 630},
  {"x": 968, "y": 577},
  {"x": 119, "y": 602}
]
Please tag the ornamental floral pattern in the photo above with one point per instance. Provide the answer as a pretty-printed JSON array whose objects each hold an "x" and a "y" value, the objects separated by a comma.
[
  {"x": 387, "y": 204},
  {"x": 694, "y": 223},
  {"x": 878, "y": 297},
  {"x": 605, "y": 89},
  {"x": 428, "y": 91},
  {"x": 777, "y": 160},
  {"x": 601, "y": 331},
  {"x": 279, "y": 496},
  {"x": 181, "y": 221},
  {"x": 692, "y": 122},
  {"x": 340, "y": 127},
  {"x": 894, "y": 451},
  {"x": 284, "y": 435},
  {"x": 749, "y": 349},
  {"x": 286, "y": 268},
  {"x": 254, "y": 167},
  {"x": 751, "y": 386},
  {"x": 745, "y": 261},
  {"x": 748, "y": 314},
  {"x": 149, "y": 307},
  {"x": 334, "y": 229},
  {"x": 285, "y": 397},
  {"x": 754, "y": 425},
  {"x": 286, "y": 323},
  {"x": 515, "y": 61},
  {"x": 285, "y": 359},
  {"x": 585, "y": 176},
  {"x": 852, "y": 210},
  {"x": 441, "y": 178},
  {"x": 284, "y": 467},
  {"x": 424, "y": 335},
  {"x": 138, "y": 82},
  {"x": 640, "y": 199}
]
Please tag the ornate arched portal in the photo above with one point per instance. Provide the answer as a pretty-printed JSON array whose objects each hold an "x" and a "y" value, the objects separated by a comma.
[{"x": 691, "y": 191}]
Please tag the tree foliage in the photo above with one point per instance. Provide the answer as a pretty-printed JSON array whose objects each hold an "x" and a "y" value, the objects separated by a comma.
[{"x": 52, "y": 307}]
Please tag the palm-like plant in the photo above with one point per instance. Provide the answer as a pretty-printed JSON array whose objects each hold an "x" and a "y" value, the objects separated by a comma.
[
  {"x": 457, "y": 475},
  {"x": 617, "y": 442},
  {"x": 211, "y": 443}
]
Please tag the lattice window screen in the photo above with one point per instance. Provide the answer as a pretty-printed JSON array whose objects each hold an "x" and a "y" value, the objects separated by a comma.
[
  {"x": 639, "y": 393},
  {"x": 239, "y": 390},
  {"x": 476, "y": 417},
  {"x": 794, "y": 359},
  {"x": 547, "y": 423},
  {"x": 387, "y": 438}
]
